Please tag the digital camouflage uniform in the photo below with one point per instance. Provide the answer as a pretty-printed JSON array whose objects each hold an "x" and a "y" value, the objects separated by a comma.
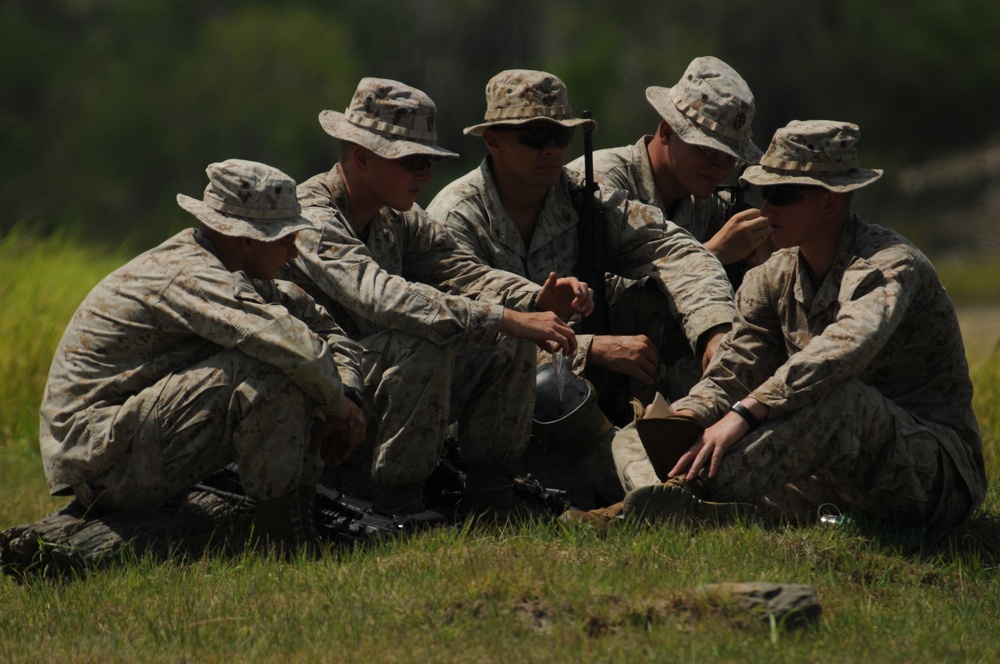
[
  {"x": 864, "y": 373},
  {"x": 628, "y": 168},
  {"x": 711, "y": 106},
  {"x": 683, "y": 291},
  {"x": 639, "y": 245},
  {"x": 174, "y": 366},
  {"x": 430, "y": 358}
]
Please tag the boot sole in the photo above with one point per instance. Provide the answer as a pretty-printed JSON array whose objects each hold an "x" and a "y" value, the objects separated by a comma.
[{"x": 661, "y": 502}]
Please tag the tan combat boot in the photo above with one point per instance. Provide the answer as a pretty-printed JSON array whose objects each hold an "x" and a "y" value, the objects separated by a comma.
[
  {"x": 682, "y": 500},
  {"x": 600, "y": 519}
]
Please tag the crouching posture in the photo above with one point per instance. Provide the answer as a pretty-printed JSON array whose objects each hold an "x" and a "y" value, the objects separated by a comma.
[
  {"x": 191, "y": 356},
  {"x": 844, "y": 379},
  {"x": 446, "y": 338}
]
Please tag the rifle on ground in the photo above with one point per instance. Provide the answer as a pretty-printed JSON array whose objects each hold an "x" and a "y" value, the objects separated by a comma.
[
  {"x": 446, "y": 485},
  {"x": 339, "y": 518}
]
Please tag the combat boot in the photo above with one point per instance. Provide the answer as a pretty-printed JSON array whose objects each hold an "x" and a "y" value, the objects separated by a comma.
[
  {"x": 599, "y": 519},
  {"x": 288, "y": 524},
  {"x": 489, "y": 495},
  {"x": 681, "y": 500}
]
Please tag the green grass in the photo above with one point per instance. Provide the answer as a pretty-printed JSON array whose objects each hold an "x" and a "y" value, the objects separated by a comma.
[
  {"x": 971, "y": 280},
  {"x": 532, "y": 593},
  {"x": 40, "y": 287}
]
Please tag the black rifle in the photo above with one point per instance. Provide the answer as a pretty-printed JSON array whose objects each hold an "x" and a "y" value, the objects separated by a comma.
[
  {"x": 592, "y": 233},
  {"x": 446, "y": 485},
  {"x": 339, "y": 518}
]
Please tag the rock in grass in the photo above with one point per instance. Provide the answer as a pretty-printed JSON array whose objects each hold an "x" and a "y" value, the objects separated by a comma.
[{"x": 791, "y": 605}]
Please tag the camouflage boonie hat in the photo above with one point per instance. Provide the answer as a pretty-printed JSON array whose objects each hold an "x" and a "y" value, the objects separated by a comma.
[
  {"x": 248, "y": 199},
  {"x": 711, "y": 106},
  {"x": 820, "y": 153},
  {"x": 519, "y": 96},
  {"x": 389, "y": 118}
]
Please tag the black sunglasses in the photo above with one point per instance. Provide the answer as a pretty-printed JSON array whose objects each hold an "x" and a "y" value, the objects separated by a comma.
[
  {"x": 783, "y": 194},
  {"x": 417, "y": 162},
  {"x": 538, "y": 138}
]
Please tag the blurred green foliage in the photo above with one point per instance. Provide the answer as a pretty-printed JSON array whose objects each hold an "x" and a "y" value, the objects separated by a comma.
[{"x": 109, "y": 108}]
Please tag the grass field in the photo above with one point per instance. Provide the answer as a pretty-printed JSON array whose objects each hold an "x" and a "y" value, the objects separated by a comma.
[{"x": 528, "y": 594}]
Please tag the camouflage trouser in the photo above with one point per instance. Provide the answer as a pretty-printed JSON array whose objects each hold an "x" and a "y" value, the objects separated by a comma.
[
  {"x": 193, "y": 422},
  {"x": 414, "y": 389},
  {"x": 854, "y": 447},
  {"x": 641, "y": 308}
]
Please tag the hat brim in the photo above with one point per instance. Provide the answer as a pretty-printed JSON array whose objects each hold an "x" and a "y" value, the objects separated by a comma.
[
  {"x": 689, "y": 132},
  {"x": 763, "y": 176},
  {"x": 265, "y": 230},
  {"x": 477, "y": 130},
  {"x": 388, "y": 147}
]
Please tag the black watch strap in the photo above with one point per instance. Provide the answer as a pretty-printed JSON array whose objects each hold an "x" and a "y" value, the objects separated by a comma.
[
  {"x": 745, "y": 413},
  {"x": 354, "y": 394}
]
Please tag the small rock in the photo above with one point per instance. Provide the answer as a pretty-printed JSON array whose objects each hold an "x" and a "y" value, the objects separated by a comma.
[{"x": 792, "y": 605}]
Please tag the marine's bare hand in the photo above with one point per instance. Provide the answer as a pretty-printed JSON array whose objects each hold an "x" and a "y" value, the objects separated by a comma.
[
  {"x": 565, "y": 296},
  {"x": 545, "y": 328},
  {"x": 634, "y": 356},
  {"x": 338, "y": 435},
  {"x": 740, "y": 236}
]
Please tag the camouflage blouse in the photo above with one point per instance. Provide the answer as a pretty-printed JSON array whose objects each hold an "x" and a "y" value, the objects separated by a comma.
[{"x": 166, "y": 310}]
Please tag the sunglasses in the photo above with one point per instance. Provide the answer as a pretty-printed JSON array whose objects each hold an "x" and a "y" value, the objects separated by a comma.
[
  {"x": 417, "y": 162},
  {"x": 783, "y": 194},
  {"x": 538, "y": 138},
  {"x": 717, "y": 156}
]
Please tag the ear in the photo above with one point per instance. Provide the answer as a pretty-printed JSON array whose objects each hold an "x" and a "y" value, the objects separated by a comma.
[
  {"x": 491, "y": 141},
  {"x": 832, "y": 201},
  {"x": 361, "y": 157},
  {"x": 664, "y": 132}
]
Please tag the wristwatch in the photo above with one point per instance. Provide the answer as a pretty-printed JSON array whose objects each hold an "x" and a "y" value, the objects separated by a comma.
[
  {"x": 745, "y": 413},
  {"x": 354, "y": 394}
]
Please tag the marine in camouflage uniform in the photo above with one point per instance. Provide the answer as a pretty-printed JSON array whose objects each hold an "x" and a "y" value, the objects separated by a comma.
[
  {"x": 845, "y": 370},
  {"x": 529, "y": 125},
  {"x": 191, "y": 356},
  {"x": 430, "y": 358},
  {"x": 703, "y": 133}
]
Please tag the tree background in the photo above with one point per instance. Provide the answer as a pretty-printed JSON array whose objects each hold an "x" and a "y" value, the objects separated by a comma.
[{"x": 109, "y": 108}]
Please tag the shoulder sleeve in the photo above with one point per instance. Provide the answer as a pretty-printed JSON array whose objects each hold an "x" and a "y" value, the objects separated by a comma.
[
  {"x": 874, "y": 297},
  {"x": 343, "y": 268},
  {"x": 643, "y": 244},
  {"x": 228, "y": 309}
]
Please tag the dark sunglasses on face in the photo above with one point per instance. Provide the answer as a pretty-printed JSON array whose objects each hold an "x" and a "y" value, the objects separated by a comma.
[
  {"x": 717, "y": 156},
  {"x": 538, "y": 138},
  {"x": 417, "y": 162},
  {"x": 783, "y": 194}
]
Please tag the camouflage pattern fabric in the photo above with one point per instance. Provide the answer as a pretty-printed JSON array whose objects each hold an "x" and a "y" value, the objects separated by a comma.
[
  {"x": 641, "y": 245},
  {"x": 431, "y": 357},
  {"x": 412, "y": 396},
  {"x": 628, "y": 168},
  {"x": 866, "y": 380},
  {"x": 390, "y": 279},
  {"x": 196, "y": 420},
  {"x": 173, "y": 359}
]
